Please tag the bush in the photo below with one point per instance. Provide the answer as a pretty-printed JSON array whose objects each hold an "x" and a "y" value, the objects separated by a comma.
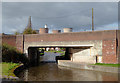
[
  {"x": 29, "y": 31},
  {"x": 11, "y": 54}
]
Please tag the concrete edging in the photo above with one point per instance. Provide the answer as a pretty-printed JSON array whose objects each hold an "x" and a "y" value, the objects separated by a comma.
[{"x": 68, "y": 63}]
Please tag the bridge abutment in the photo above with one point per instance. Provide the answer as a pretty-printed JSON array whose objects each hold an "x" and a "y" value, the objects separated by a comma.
[
  {"x": 33, "y": 56},
  {"x": 69, "y": 53}
]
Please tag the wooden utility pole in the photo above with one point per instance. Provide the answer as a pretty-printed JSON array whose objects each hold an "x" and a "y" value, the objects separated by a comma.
[{"x": 92, "y": 21}]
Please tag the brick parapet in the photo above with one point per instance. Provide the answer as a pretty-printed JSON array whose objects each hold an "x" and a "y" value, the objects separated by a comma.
[{"x": 73, "y": 36}]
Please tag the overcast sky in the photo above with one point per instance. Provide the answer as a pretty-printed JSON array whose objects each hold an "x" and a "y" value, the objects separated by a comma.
[{"x": 59, "y": 15}]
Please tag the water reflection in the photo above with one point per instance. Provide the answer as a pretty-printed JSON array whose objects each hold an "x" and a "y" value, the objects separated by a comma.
[
  {"x": 52, "y": 72},
  {"x": 26, "y": 75}
]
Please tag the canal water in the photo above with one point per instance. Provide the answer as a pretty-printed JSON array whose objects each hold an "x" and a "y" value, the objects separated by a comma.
[{"x": 52, "y": 72}]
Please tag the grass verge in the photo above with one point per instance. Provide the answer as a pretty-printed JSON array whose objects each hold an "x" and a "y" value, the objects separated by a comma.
[
  {"x": 110, "y": 65},
  {"x": 56, "y": 51},
  {"x": 8, "y": 69}
]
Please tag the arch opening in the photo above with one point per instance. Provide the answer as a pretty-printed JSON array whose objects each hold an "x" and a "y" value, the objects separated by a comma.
[{"x": 48, "y": 54}]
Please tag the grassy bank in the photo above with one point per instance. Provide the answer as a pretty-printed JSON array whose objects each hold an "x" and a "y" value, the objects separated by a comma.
[
  {"x": 109, "y": 65},
  {"x": 8, "y": 69}
]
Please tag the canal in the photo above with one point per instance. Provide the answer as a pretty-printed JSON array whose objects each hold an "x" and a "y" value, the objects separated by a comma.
[{"x": 52, "y": 72}]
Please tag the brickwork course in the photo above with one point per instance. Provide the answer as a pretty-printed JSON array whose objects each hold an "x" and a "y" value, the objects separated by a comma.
[{"x": 110, "y": 41}]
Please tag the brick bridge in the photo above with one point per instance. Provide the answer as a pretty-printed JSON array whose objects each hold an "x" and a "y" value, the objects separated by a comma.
[{"x": 80, "y": 46}]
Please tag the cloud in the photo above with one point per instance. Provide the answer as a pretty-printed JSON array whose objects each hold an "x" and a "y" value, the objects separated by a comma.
[
  {"x": 60, "y": 0},
  {"x": 0, "y": 18},
  {"x": 119, "y": 15},
  {"x": 113, "y": 26},
  {"x": 76, "y": 15}
]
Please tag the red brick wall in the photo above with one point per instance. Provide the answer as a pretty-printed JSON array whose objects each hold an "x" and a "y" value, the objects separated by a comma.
[
  {"x": 19, "y": 42},
  {"x": 13, "y": 40},
  {"x": 9, "y": 39},
  {"x": 118, "y": 46},
  {"x": 109, "y": 51}
]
